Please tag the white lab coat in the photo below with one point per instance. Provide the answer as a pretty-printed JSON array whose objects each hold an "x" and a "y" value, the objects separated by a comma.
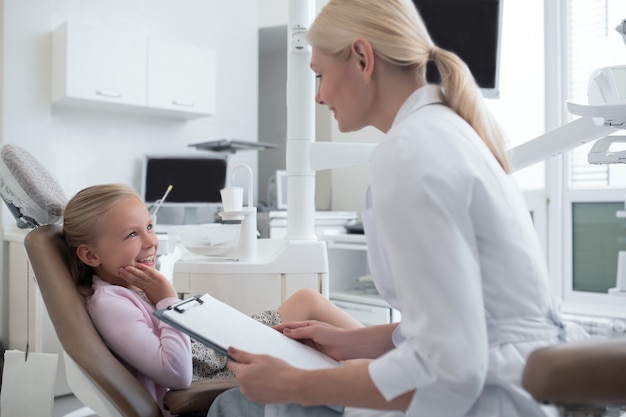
[{"x": 452, "y": 246}]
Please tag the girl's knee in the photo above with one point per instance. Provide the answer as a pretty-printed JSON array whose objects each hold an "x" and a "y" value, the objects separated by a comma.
[
  {"x": 307, "y": 295},
  {"x": 304, "y": 304}
]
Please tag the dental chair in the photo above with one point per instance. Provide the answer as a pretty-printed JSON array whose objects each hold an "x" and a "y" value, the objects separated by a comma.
[
  {"x": 96, "y": 377},
  {"x": 586, "y": 379}
]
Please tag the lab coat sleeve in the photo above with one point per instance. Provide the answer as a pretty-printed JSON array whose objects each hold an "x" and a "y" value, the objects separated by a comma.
[
  {"x": 151, "y": 347},
  {"x": 422, "y": 190}
]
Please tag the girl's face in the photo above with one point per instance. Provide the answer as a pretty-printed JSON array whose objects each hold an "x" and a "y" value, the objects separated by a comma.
[
  {"x": 124, "y": 237},
  {"x": 340, "y": 87}
]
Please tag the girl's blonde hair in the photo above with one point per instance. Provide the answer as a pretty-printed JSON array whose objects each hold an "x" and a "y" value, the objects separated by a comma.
[
  {"x": 398, "y": 36},
  {"x": 80, "y": 225}
]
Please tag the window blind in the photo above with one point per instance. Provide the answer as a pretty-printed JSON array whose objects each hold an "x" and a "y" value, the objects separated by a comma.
[{"x": 587, "y": 27}]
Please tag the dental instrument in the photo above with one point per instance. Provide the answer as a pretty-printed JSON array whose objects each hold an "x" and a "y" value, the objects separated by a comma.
[{"x": 153, "y": 210}]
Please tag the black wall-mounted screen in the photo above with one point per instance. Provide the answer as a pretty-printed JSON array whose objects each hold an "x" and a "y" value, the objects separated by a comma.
[
  {"x": 472, "y": 30},
  {"x": 194, "y": 180}
]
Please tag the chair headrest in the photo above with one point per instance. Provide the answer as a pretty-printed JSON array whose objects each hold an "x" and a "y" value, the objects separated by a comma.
[{"x": 29, "y": 190}]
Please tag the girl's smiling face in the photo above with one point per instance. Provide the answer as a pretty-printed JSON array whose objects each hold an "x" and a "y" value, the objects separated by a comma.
[{"x": 124, "y": 236}]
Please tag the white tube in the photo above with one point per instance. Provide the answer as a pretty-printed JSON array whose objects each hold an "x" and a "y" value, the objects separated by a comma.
[
  {"x": 249, "y": 170},
  {"x": 300, "y": 124}
]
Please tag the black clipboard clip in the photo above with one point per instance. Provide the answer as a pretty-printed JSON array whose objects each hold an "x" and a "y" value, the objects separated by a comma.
[{"x": 185, "y": 305}]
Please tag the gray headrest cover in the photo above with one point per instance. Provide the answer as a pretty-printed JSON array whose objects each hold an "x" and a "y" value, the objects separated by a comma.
[{"x": 26, "y": 184}]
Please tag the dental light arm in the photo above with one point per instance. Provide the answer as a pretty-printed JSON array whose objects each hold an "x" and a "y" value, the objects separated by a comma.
[
  {"x": 557, "y": 141},
  {"x": 300, "y": 124},
  {"x": 605, "y": 114}
]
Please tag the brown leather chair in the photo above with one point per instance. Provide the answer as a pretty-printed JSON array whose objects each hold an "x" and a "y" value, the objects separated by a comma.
[
  {"x": 95, "y": 376},
  {"x": 582, "y": 378}
]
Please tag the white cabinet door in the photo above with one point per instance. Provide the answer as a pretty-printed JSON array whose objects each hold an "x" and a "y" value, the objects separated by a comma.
[
  {"x": 27, "y": 311},
  {"x": 181, "y": 78},
  {"x": 248, "y": 294},
  {"x": 92, "y": 64}
]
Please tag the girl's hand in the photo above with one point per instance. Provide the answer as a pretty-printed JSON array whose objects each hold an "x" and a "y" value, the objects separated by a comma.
[
  {"x": 154, "y": 284},
  {"x": 262, "y": 378}
]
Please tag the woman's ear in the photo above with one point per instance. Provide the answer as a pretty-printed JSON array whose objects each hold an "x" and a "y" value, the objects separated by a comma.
[
  {"x": 87, "y": 256},
  {"x": 364, "y": 56}
]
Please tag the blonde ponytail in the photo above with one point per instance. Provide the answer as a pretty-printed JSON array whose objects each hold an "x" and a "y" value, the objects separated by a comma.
[{"x": 462, "y": 95}]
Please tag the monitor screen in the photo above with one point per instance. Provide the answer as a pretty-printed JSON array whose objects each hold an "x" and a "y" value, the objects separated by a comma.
[
  {"x": 194, "y": 180},
  {"x": 472, "y": 30}
]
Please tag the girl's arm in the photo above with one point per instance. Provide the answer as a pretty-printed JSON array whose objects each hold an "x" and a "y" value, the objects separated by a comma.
[{"x": 153, "y": 349}]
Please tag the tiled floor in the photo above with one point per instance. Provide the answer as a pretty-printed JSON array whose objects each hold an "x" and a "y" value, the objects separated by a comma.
[{"x": 67, "y": 404}]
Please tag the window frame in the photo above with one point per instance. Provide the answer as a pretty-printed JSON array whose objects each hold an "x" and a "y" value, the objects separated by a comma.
[
  {"x": 581, "y": 302},
  {"x": 558, "y": 193}
]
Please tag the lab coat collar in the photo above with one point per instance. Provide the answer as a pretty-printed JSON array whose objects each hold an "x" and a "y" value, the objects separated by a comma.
[{"x": 423, "y": 96}]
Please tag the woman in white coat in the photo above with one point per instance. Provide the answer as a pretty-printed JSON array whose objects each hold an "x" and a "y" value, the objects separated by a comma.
[{"x": 450, "y": 240}]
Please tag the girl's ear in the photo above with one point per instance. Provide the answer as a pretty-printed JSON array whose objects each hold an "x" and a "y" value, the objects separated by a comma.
[
  {"x": 87, "y": 256},
  {"x": 364, "y": 56}
]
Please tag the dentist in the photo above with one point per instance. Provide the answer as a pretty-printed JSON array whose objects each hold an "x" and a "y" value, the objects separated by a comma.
[{"x": 450, "y": 240}]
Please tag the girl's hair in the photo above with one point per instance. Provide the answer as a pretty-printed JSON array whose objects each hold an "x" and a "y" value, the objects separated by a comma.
[
  {"x": 80, "y": 226},
  {"x": 398, "y": 36}
]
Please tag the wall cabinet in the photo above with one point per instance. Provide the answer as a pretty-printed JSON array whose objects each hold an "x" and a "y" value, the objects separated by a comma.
[
  {"x": 181, "y": 78},
  {"x": 99, "y": 69}
]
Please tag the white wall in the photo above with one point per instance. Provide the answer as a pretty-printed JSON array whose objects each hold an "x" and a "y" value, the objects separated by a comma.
[
  {"x": 276, "y": 12},
  {"x": 272, "y": 103},
  {"x": 273, "y": 13},
  {"x": 82, "y": 147}
]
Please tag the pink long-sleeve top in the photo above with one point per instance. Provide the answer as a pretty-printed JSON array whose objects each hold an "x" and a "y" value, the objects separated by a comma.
[{"x": 158, "y": 355}]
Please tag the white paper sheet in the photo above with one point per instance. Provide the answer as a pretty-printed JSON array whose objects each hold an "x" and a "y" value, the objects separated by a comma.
[{"x": 220, "y": 326}]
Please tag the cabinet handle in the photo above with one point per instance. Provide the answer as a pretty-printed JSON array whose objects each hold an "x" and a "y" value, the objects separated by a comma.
[
  {"x": 340, "y": 244},
  {"x": 355, "y": 308},
  {"x": 183, "y": 103},
  {"x": 109, "y": 93}
]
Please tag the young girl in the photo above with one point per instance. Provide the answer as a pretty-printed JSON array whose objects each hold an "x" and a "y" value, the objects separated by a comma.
[{"x": 113, "y": 251}]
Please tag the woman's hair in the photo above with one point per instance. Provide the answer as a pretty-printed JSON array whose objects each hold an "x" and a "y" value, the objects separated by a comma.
[
  {"x": 398, "y": 36},
  {"x": 80, "y": 225}
]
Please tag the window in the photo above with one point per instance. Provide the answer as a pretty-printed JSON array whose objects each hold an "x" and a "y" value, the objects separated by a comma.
[
  {"x": 520, "y": 106},
  {"x": 573, "y": 203},
  {"x": 589, "y": 196},
  {"x": 592, "y": 42}
]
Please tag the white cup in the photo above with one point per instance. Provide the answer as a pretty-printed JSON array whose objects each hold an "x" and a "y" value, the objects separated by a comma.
[{"x": 232, "y": 198}]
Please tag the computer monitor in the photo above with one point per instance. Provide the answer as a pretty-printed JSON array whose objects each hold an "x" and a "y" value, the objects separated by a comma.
[
  {"x": 473, "y": 30},
  {"x": 195, "y": 180}
]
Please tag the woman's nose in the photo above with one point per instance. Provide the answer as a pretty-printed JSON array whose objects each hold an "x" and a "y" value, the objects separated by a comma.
[{"x": 318, "y": 98}]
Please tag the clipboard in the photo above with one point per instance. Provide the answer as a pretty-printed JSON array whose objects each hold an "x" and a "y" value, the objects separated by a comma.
[{"x": 219, "y": 326}]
